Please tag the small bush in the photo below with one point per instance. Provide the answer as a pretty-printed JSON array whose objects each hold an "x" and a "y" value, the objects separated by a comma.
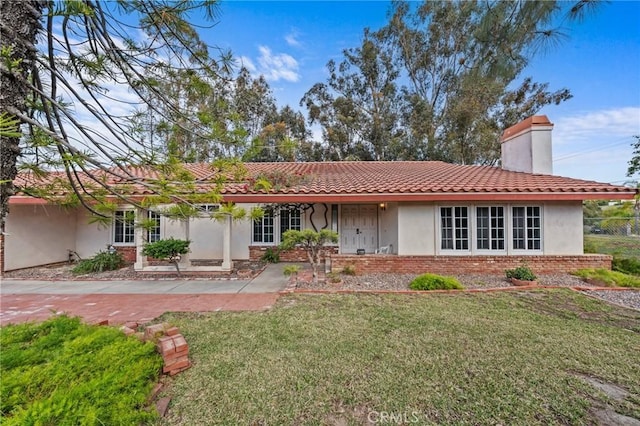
[
  {"x": 291, "y": 270},
  {"x": 609, "y": 278},
  {"x": 271, "y": 255},
  {"x": 333, "y": 277},
  {"x": 522, "y": 272},
  {"x": 102, "y": 261},
  {"x": 169, "y": 249},
  {"x": 349, "y": 270},
  {"x": 435, "y": 282},
  {"x": 629, "y": 265}
]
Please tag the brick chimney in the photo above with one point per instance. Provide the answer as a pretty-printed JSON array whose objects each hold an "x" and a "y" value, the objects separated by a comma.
[{"x": 526, "y": 146}]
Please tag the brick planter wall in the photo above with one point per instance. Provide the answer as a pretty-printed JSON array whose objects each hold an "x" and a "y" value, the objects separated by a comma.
[
  {"x": 452, "y": 265},
  {"x": 128, "y": 253},
  {"x": 295, "y": 255}
]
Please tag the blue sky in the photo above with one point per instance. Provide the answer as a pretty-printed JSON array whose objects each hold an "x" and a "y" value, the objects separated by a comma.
[{"x": 291, "y": 42}]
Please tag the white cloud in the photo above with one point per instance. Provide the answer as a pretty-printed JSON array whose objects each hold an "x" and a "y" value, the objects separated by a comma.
[
  {"x": 620, "y": 122},
  {"x": 247, "y": 63},
  {"x": 277, "y": 66},
  {"x": 292, "y": 38},
  {"x": 595, "y": 145}
]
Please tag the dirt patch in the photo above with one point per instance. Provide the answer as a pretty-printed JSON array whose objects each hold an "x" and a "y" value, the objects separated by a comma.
[{"x": 604, "y": 413}]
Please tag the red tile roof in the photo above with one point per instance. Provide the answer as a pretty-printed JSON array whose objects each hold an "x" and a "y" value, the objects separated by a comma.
[{"x": 359, "y": 181}]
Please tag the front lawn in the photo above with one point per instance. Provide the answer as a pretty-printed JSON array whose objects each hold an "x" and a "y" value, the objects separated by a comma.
[
  {"x": 64, "y": 372},
  {"x": 499, "y": 358}
]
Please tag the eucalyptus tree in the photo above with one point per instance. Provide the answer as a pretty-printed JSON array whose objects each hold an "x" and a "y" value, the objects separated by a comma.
[
  {"x": 284, "y": 137},
  {"x": 72, "y": 72},
  {"x": 451, "y": 80},
  {"x": 358, "y": 106}
]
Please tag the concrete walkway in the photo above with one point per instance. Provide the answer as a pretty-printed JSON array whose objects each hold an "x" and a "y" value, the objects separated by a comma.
[{"x": 139, "y": 301}]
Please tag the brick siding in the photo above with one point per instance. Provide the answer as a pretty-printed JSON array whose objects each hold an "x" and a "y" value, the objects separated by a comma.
[
  {"x": 452, "y": 265},
  {"x": 128, "y": 253},
  {"x": 294, "y": 255}
]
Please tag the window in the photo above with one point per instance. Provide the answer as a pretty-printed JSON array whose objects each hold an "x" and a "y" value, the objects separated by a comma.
[
  {"x": 123, "y": 229},
  {"x": 208, "y": 208},
  {"x": 454, "y": 222},
  {"x": 153, "y": 232},
  {"x": 289, "y": 219},
  {"x": 490, "y": 228},
  {"x": 526, "y": 228},
  {"x": 263, "y": 229}
]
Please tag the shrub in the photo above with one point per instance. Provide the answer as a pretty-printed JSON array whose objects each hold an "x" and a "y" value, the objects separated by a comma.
[
  {"x": 271, "y": 255},
  {"x": 609, "y": 278},
  {"x": 435, "y": 282},
  {"x": 102, "y": 261},
  {"x": 629, "y": 265},
  {"x": 522, "y": 272},
  {"x": 169, "y": 249},
  {"x": 348, "y": 270},
  {"x": 333, "y": 277},
  {"x": 312, "y": 242},
  {"x": 291, "y": 270}
]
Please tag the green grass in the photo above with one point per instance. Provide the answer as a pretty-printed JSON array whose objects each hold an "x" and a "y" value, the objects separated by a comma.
[
  {"x": 63, "y": 372},
  {"x": 499, "y": 358},
  {"x": 609, "y": 278},
  {"x": 613, "y": 244}
]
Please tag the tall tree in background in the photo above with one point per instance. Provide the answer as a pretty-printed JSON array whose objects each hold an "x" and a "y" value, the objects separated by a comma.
[
  {"x": 458, "y": 67},
  {"x": 358, "y": 106},
  {"x": 86, "y": 52},
  {"x": 634, "y": 163},
  {"x": 284, "y": 137}
]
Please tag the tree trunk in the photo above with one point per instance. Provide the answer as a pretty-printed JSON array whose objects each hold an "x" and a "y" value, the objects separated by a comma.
[{"x": 20, "y": 24}]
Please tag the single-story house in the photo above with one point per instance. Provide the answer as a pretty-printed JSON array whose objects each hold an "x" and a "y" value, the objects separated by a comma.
[{"x": 404, "y": 216}]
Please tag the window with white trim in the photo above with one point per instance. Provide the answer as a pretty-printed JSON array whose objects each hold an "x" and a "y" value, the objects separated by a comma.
[
  {"x": 264, "y": 229},
  {"x": 490, "y": 228},
  {"x": 124, "y": 227},
  {"x": 208, "y": 208},
  {"x": 454, "y": 228},
  {"x": 527, "y": 228},
  {"x": 290, "y": 220},
  {"x": 153, "y": 232}
]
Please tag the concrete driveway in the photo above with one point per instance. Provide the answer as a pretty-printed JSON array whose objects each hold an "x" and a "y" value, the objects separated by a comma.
[{"x": 138, "y": 301}]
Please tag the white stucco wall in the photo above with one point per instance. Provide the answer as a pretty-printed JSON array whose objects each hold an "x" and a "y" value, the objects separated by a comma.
[
  {"x": 416, "y": 229},
  {"x": 388, "y": 226},
  {"x": 529, "y": 152},
  {"x": 563, "y": 231},
  {"x": 91, "y": 238},
  {"x": 38, "y": 235}
]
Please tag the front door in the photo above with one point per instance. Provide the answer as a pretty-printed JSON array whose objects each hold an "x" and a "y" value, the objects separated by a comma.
[{"x": 359, "y": 228}]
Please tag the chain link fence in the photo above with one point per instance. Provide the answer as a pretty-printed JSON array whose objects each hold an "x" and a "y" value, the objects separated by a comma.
[
  {"x": 617, "y": 236},
  {"x": 619, "y": 226}
]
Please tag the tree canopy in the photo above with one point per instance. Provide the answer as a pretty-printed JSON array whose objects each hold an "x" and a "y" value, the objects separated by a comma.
[
  {"x": 440, "y": 81},
  {"x": 74, "y": 71}
]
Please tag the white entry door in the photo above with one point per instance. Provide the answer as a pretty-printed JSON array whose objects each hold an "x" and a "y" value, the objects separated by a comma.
[{"x": 359, "y": 228}]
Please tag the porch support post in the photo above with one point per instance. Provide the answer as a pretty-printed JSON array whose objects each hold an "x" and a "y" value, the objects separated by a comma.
[
  {"x": 141, "y": 259},
  {"x": 227, "y": 264},
  {"x": 185, "y": 261}
]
